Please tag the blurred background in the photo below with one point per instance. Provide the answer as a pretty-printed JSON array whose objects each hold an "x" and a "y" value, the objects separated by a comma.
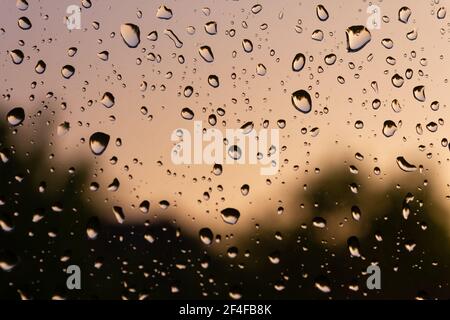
[{"x": 85, "y": 146}]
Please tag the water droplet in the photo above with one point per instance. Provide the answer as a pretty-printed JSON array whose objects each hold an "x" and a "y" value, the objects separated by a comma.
[
  {"x": 40, "y": 67},
  {"x": 356, "y": 213},
  {"x": 405, "y": 165},
  {"x": 261, "y": 69},
  {"x": 24, "y": 23},
  {"x": 357, "y": 38},
  {"x": 119, "y": 214},
  {"x": 67, "y": 71},
  {"x": 153, "y": 36},
  {"x": 206, "y": 236},
  {"x": 301, "y": 100},
  {"x": 299, "y": 62},
  {"x": 164, "y": 13},
  {"x": 92, "y": 228},
  {"x": 322, "y": 13},
  {"x": 230, "y": 215},
  {"x": 256, "y": 8},
  {"x": 441, "y": 13},
  {"x": 245, "y": 189},
  {"x": 247, "y": 45},
  {"x": 144, "y": 206},
  {"x": 211, "y": 27},
  {"x": 15, "y": 116},
  {"x": 330, "y": 59},
  {"x": 387, "y": 43},
  {"x": 108, "y": 100},
  {"x": 187, "y": 114},
  {"x": 98, "y": 142},
  {"x": 22, "y": 5},
  {"x": 206, "y": 53},
  {"x": 403, "y": 14},
  {"x": 319, "y": 222},
  {"x": 63, "y": 128},
  {"x": 234, "y": 152},
  {"x": 16, "y": 56},
  {"x": 131, "y": 34},
  {"x": 317, "y": 35},
  {"x": 217, "y": 169},
  {"x": 322, "y": 284},
  {"x": 353, "y": 246},
  {"x": 389, "y": 128},
  {"x": 397, "y": 80},
  {"x": 213, "y": 81},
  {"x": 419, "y": 93}
]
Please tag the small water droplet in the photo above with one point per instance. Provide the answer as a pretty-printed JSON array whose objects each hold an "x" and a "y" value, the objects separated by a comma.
[
  {"x": 405, "y": 165},
  {"x": 67, "y": 71},
  {"x": 299, "y": 62},
  {"x": 389, "y": 128},
  {"x": 357, "y": 38},
  {"x": 206, "y": 236},
  {"x": 206, "y": 53},
  {"x": 403, "y": 14},
  {"x": 164, "y": 13},
  {"x": 15, "y": 116},
  {"x": 230, "y": 215}
]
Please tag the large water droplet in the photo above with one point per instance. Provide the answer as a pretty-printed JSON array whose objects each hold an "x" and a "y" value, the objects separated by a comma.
[
  {"x": 357, "y": 38},
  {"x": 164, "y": 12},
  {"x": 108, "y": 100},
  {"x": 299, "y": 62},
  {"x": 419, "y": 93},
  {"x": 211, "y": 27},
  {"x": 322, "y": 13},
  {"x": 389, "y": 128},
  {"x": 119, "y": 214},
  {"x": 98, "y": 142},
  {"x": 213, "y": 81},
  {"x": 247, "y": 45},
  {"x": 24, "y": 23},
  {"x": 16, "y": 56},
  {"x": 15, "y": 116},
  {"x": 131, "y": 34},
  {"x": 403, "y": 14},
  {"x": 40, "y": 67},
  {"x": 187, "y": 114},
  {"x": 67, "y": 71},
  {"x": 405, "y": 165},
  {"x": 206, "y": 53},
  {"x": 301, "y": 100},
  {"x": 206, "y": 236},
  {"x": 230, "y": 215}
]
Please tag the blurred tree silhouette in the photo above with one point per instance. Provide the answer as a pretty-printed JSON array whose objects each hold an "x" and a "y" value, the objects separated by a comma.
[{"x": 121, "y": 264}]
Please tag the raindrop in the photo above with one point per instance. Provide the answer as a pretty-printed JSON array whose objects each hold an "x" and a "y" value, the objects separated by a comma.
[
  {"x": 301, "y": 100},
  {"x": 217, "y": 169},
  {"x": 405, "y": 165},
  {"x": 206, "y": 53},
  {"x": 67, "y": 71},
  {"x": 164, "y": 13},
  {"x": 357, "y": 38},
  {"x": 63, "y": 128},
  {"x": 213, "y": 81},
  {"x": 98, "y": 142},
  {"x": 397, "y": 80},
  {"x": 299, "y": 62},
  {"x": 206, "y": 236},
  {"x": 187, "y": 114},
  {"x": 152, "y": 36},
  {"x": 230, "y": 215},
  {"x": 16, "y": 56},
  {"x": 419, "y": 93},
  {"x": 319, "y": 222},
  {"x": 22, "y": 5},
  {"x": 245, "y": 189},
  {"x": 40, "y": 67},
  {"x": 389, "y": 128},
  {"x": 256, "y": 8},
  {"x": 441, "y": 13},
  {"x": 247, "y": 45},
  {"x": 144, "y": 206},
  {"x": 119, "y": 214},
  {"x": 108, "y": 100},
  {"x": 330, "y": 59},
  {"x": 92, "y": 228},
  {"x": 261, "y": 69},
  {"x": 211, "y": 27},
  {"x": 24, "y": 23},
  {"x": 353, "y": 246},
  {"x": 130, "y": 34},
  {"x": 15, "y": 116},
  {"x": 322, "y": 13},
  {"x": 403, "y": 14}
]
